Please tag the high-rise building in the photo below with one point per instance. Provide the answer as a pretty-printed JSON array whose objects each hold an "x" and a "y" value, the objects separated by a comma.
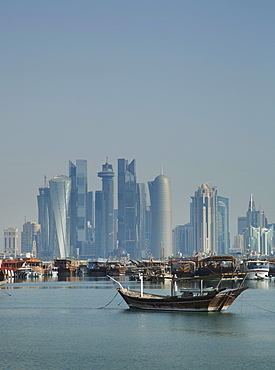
[
  {"x": 258, "y": 239},
  {"x": 127, "y": 207},
  {"x": 11, "y": 241},
  {"x": 254, "y": 218},
  {"x": 45, "y": 219},
  {"x": 204, "y": 219},
  {"x": 31, "y": 238},
  {"x": 141, "y": 221},
  {"x": 60, "y": 192},
  {"x": 161, "y": 243},
  {"x": 223, "y": 225},
  {"x": 78, "y": 210},
  {"x": 183, "y": 240},
  {"x": 104, "y": 209},
  {"x": 242, "y": 225},
  {"x": 257, "y": 234},
  {"x": 209, "y": 215}
]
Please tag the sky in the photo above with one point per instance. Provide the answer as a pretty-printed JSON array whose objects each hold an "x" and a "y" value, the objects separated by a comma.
[{"x": 186, "y": 84}]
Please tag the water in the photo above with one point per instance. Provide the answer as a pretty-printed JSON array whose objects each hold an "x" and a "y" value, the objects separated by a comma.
[{"x": 58, "y": 325}]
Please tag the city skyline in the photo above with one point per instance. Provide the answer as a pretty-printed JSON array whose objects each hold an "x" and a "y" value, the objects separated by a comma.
[
  {"x": 188, "y": 84},
  {"x": 114, "y": 174}
]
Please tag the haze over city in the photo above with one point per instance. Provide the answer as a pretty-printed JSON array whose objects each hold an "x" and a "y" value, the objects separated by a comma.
[{"x": 186, "y": 84}]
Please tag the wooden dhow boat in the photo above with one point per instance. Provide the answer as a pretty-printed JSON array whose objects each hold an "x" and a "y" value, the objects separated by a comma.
[{"x": 205, "y": 300}]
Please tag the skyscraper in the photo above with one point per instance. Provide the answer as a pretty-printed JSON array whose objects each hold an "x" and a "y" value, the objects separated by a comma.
[
  {"x": 127, "y": 207},
  {"x": 161, "y": 244},
  {"x": 104, "y": 208},
  {"x": 223, "y": 225},
  {"x": 254, "y": 218},
  {"x": 209, "y": 216},
  {"x": 60, "y": 192},
  {"x": 203, "y": 219},
  {"x": 78, "y": 210},
  {"x": 141, "y": 220},
  {"x": 46, "y": 221}
]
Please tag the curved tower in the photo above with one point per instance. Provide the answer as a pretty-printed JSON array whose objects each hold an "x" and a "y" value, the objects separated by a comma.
[
  {"x": 60, "y": 192},
  {"x": 161, "y": 212}
]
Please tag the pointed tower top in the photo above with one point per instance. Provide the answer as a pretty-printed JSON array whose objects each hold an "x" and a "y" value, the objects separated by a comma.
[
  {"x": 161, "y": 168},
  {"x": 251, "y": 204}
]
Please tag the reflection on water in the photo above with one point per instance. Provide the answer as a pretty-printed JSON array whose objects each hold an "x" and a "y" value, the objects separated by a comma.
[{"x": 57, "y": 324}]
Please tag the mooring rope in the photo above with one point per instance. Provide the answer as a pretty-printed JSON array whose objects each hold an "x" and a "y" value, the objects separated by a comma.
[
  {"x": 261, "y": 308},
  {"x": 2, "y": 290},
  {"x": 109, "y": 302}
]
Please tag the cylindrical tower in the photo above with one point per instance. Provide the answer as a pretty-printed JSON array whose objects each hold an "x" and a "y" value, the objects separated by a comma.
[{"x": 161, "y": 211}]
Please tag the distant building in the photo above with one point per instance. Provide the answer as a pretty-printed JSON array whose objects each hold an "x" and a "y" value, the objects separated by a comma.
[
  {"x": 183, "y": 240},
  {"x": 105, "y": 237},
  {"x": 242, "y": 225},
  {"x": 209, "y": 217},
  {"x": 141, "y": 221},
  {"x": 11, "y": 241},
  {"x": 223, "y": 225},
  {"x": 257, "y": 234},
  {"x": 45, "y": 219},
  {"x": 78, "y": 208},
  {"x": 259, "y": 240},
  {"x": 31, "y": 238},
  {"x": 161, "y": 244},
  {"x": 254, "y": 218},
  {"x": 204, "y": 218},
  {"x": 60, "y": 192},
  {"x": 54, "y": 218},
  {"x": 127, "y": 207},
  {"x": 238, "y": 244}
]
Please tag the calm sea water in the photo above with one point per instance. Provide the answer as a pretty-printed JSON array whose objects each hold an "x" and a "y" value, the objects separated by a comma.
[{"x": 60, "y": 325}]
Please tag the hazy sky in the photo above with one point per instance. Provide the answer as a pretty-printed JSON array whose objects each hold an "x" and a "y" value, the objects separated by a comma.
[{"x": 189, "y": 84}]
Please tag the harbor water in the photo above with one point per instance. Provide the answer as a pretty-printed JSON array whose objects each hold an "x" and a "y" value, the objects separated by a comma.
[{"x": 80, "y": 323}]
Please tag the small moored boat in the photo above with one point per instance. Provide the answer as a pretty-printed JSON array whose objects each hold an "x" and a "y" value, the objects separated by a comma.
[{"x": 209, "y": 300}]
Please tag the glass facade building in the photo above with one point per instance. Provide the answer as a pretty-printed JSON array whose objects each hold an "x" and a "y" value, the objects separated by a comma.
[
  {"x": 104, "y": 208},
  {"x": 78, "y": 210},
  {"x": 60, "y": 192}
]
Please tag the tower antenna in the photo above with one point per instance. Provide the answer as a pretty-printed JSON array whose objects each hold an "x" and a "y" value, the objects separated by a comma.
[{"x": 161, "y": 168}]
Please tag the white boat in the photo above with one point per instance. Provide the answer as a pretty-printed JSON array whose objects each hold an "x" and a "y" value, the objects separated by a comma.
[{"x": 257, "y": 268}]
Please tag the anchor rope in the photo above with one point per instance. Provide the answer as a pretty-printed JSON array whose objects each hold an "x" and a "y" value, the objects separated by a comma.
[
  {"x": 109, "y": 302},
  {"x": 261, "y": 308}
]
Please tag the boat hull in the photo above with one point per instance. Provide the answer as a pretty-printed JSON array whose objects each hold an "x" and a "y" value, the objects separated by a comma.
[{"x": 211, "y": 302}]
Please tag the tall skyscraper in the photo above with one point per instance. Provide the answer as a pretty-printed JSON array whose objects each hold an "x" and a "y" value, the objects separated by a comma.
[
  {"x": 45, "y": 219},
  {"x": 223, "y": 225},
  {"x": 209, "y": 216},
  {"x": 127, "y": 207},
  {"x": 161, "y": 244},
  {"x": 141, "y": 221},
  {"x": 104, "y": 208},
  {"x": 60, "y": 192},
  {"x": 11, "y": 241},
  {"x": 78, "y": 210},
  {"x": 254, "y": 218},
  {"x": 203, "y": 219},
  {"x": 257, "y": 236}
]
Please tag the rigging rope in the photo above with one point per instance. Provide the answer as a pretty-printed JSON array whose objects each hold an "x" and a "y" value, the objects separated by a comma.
[
  {"x": 109, "y": 302},
  {"x": 261, "y": 308}
]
